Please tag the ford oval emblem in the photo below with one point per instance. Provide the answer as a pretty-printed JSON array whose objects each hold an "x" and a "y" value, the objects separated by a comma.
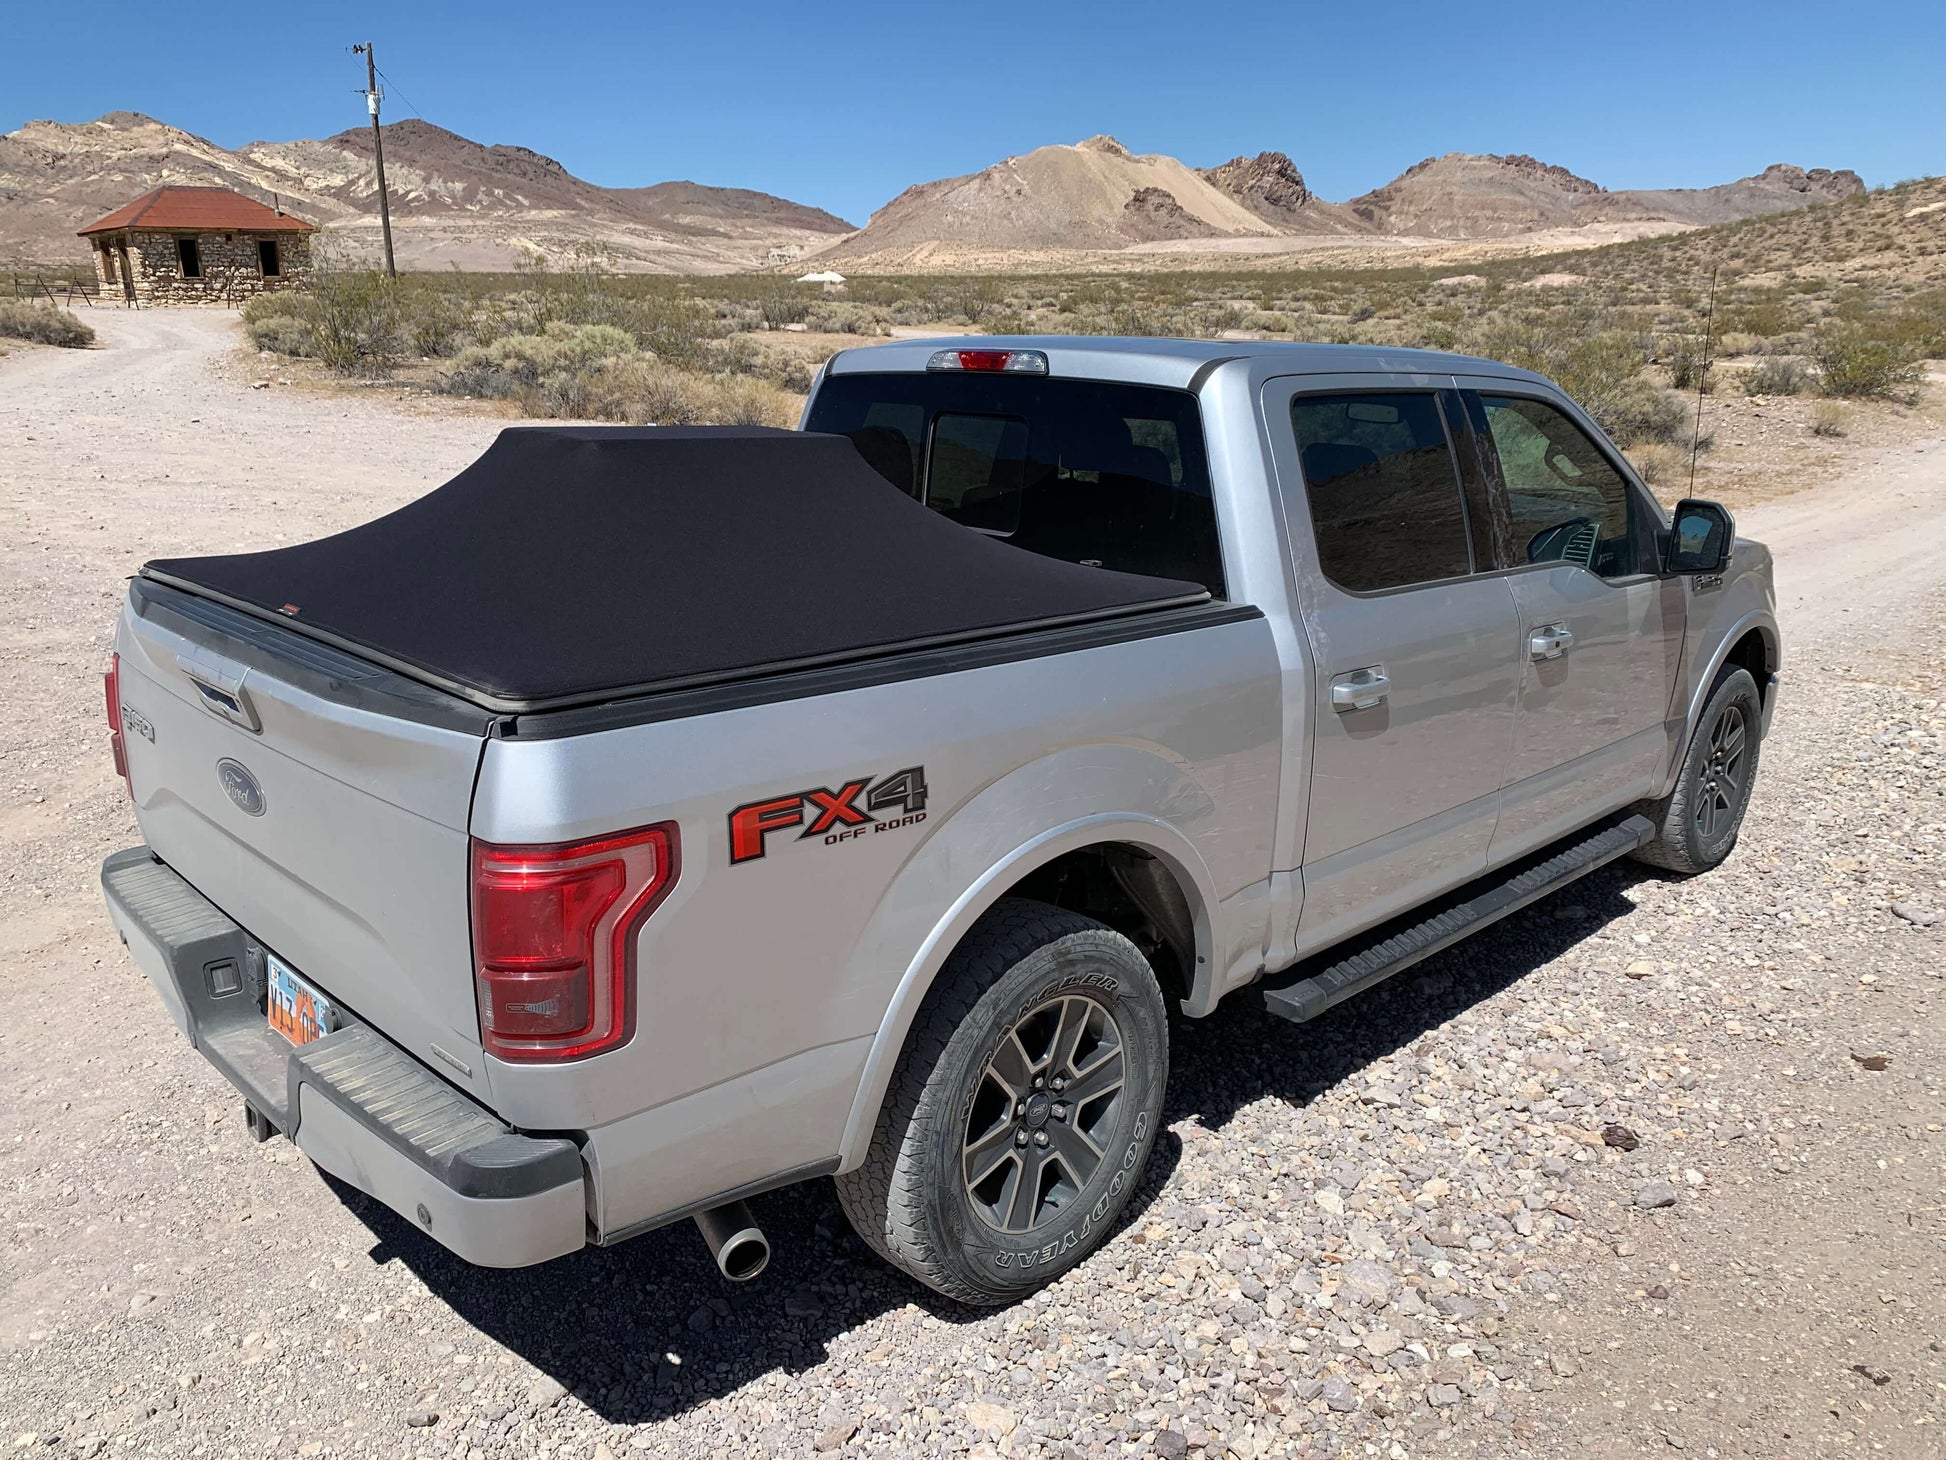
[{"x": 241, "y": 787}]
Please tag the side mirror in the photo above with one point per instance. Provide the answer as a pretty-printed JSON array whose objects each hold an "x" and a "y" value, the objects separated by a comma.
[{"x": 1700, "y": 535}]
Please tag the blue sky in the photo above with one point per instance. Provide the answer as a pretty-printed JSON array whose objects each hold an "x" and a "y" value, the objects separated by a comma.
[{"x": 843, "y": 104}]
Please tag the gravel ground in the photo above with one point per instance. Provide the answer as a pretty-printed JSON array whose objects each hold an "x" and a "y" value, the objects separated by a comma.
[{"x": 1654, "y": 1165}]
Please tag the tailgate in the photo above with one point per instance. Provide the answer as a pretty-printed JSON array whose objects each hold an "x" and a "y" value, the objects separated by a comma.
[{"x": 321, "y": 802}]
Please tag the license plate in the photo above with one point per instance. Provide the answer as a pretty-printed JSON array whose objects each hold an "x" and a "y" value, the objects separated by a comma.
[{"x": 297, "y": 1011}]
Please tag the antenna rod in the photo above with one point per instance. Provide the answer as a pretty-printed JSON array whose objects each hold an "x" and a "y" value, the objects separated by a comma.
[
  {"x": 378, "y": 152},
  {"x": 1702, "y": 377}
]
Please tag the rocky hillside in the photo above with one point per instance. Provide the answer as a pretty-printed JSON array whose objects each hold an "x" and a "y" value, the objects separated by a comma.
[
  {"x": 1462, "y": 195},
  {"x": 1270, "y": 186},
  {"x": 454, "y": 201}
]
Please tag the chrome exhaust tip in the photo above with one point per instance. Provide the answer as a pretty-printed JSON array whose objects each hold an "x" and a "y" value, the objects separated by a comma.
[{"x": 739, "y": 1246}]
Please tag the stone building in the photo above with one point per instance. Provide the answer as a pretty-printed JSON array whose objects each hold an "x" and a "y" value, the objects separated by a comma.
[{"x": 197, "y": 245}]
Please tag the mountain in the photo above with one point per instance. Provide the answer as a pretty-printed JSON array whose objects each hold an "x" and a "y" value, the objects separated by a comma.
[
  {"x": 1095, "y": 195},
  {"x": 1270, "y": 186},
  {"x": 453, "y": 200},
  {"x": 1463, "y": 195}
]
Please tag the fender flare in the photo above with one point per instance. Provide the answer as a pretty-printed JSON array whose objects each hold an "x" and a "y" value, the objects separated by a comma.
[
  {"x": 1764, "y": 622},
  {"x": 1150, "y": 833}
]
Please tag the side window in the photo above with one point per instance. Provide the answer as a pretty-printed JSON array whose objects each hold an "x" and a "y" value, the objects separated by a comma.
[
  {"x": 1383, "y": 488},
  {"x": 1568, "y": 504}
]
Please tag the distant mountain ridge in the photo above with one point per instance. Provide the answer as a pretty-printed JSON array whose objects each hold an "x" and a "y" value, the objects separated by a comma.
[
  {"x": 1467, "y": 195},
  {"x": 454, "y": 200},
  {"x": 457, "y": 202},
  {"x": 1098, "y": 195}
]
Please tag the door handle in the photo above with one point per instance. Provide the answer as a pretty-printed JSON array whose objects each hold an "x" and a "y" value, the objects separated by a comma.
[
  {"x": 1361, "y": 689},
  {"x": 1549, "y": 641}
]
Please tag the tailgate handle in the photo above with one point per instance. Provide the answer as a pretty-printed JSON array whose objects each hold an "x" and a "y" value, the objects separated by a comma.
[{"x": 221, "y": 690}]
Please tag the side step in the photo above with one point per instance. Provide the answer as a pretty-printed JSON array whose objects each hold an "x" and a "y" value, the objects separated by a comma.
[{"x": 1485, "y": 901}]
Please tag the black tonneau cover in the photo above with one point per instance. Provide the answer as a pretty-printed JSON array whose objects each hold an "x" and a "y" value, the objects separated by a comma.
[{"x": 574, "y": 564}]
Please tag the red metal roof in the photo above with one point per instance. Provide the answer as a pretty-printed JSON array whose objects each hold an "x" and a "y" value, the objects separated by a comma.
[{"x": 198, "y": 210}]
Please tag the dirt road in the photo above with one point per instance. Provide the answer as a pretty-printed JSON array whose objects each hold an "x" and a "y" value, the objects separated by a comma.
[{"x": 1395, "y": 1232}]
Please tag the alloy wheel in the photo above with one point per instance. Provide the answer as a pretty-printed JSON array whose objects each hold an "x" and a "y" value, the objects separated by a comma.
[
  {"x": 1042, "y": 1118},
  {"x": 1724, "y": 772}
]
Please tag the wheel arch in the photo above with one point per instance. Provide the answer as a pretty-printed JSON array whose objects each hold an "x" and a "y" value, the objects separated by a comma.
[
  {"x": 1751, "y": 642},
  {"x": 1104, "y": 836}
]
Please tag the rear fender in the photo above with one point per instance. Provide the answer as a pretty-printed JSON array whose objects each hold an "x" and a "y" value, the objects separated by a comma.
[{"x": 971, "y": 862}]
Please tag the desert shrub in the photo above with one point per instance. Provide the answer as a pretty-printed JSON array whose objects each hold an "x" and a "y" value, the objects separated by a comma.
[
  {"x": 843, "y": 317},
  {"x": 1855, "y": 360},
  {"x": 784, "y": 303},
  {"x": 434, "y": 324},
  {"x": 548, "y": 372},
  {"x": 1778, "y": 375},
  {"x": 1661, "y": 463},
  {"x": 1828, "y": 419},
  {"x": 649, "y": 392},
  {"x": 1689, "y": 367},
  {"x": 354, "y": 320},
  {"x": 43, "y": 324},
  {"x": 281, "y": 334},
  {"x": 1600, "y": 368},
  {"x": 1732, "y": 343},
  {"x": 1767, "y": 318}
]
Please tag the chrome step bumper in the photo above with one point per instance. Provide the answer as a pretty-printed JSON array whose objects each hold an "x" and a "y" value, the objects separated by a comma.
[{"x": 355, "y": 1103}]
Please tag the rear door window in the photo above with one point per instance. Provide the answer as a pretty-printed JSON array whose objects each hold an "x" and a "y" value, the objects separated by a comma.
[
  {"x": 1383, "y": 488},
  {"x": 1111, "y": 476}
]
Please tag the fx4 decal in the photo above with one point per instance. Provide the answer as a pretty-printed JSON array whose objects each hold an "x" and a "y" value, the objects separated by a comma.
[{"x": 854, "y": 809}]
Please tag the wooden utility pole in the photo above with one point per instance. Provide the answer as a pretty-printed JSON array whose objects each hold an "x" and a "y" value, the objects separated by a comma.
[{"x": 378, "y": 152}]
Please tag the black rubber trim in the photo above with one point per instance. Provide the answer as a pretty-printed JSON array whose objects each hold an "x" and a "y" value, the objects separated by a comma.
[
  {"x": 455, "y": 1139},
  {"x": 808, "y": 1172},
  {"x": 427, "y": 1121},
  {"x": 912, "y": 664},
  {"x": 1334, "y": 977},
  {"x": 276, "y": 647}
]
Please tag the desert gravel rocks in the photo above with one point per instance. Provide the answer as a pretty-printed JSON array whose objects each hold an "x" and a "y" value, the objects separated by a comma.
[{"x": 1416, "y": 1227}]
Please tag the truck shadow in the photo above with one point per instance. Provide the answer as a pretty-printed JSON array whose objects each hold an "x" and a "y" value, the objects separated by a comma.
[{"x": 647, "y": 1330}]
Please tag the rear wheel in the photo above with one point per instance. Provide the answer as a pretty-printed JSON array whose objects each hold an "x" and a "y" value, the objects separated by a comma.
[
  {"x": 1698, "y": 821},
  {"x": 1022, "y": 1110}
]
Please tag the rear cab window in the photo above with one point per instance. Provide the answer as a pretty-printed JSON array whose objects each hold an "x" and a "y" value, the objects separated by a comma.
[{"x": 1093, "y": 472}]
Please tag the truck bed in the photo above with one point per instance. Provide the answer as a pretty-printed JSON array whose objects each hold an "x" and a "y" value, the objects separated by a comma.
[{"x": 574, "y": 565}]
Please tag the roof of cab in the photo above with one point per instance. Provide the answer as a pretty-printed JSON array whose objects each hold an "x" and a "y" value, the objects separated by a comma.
[{"x": 1175, "y": 363}]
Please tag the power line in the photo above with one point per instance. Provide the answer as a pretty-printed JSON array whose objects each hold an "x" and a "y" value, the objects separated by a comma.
[{"x": 392, "y": 86}]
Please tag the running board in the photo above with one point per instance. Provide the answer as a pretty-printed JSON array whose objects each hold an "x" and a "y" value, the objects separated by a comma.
[{"x": 1487, "y": 901}]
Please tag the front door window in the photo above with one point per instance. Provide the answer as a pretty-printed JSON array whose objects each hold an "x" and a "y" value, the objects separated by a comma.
[{"x": 1568, "y": 502}]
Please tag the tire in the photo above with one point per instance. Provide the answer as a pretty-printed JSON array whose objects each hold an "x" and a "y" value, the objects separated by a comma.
[
  {"x": 1698, "y": 821},
  {"x": 943, "y": 1192}
]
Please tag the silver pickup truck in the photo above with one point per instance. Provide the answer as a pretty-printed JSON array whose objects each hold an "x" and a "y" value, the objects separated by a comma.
[{"x": 647, "y": 819}]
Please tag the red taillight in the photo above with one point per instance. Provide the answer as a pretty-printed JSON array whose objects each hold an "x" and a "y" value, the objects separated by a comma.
[
  {"x": 111, "y": 683},
  {"x": 554, "y": 931}
]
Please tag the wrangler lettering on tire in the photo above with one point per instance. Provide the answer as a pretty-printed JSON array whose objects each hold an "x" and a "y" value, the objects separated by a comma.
[{"x": 1022, "y": 1109}]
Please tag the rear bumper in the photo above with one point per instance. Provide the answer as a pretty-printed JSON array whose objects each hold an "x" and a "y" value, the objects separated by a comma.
[{"x": 355, "y": 1103}]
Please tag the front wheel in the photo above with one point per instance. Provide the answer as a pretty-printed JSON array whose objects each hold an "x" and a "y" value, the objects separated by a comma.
[
  {"x": 1022, "y": 1109},
  {"x": 1698, "y": 821}
]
